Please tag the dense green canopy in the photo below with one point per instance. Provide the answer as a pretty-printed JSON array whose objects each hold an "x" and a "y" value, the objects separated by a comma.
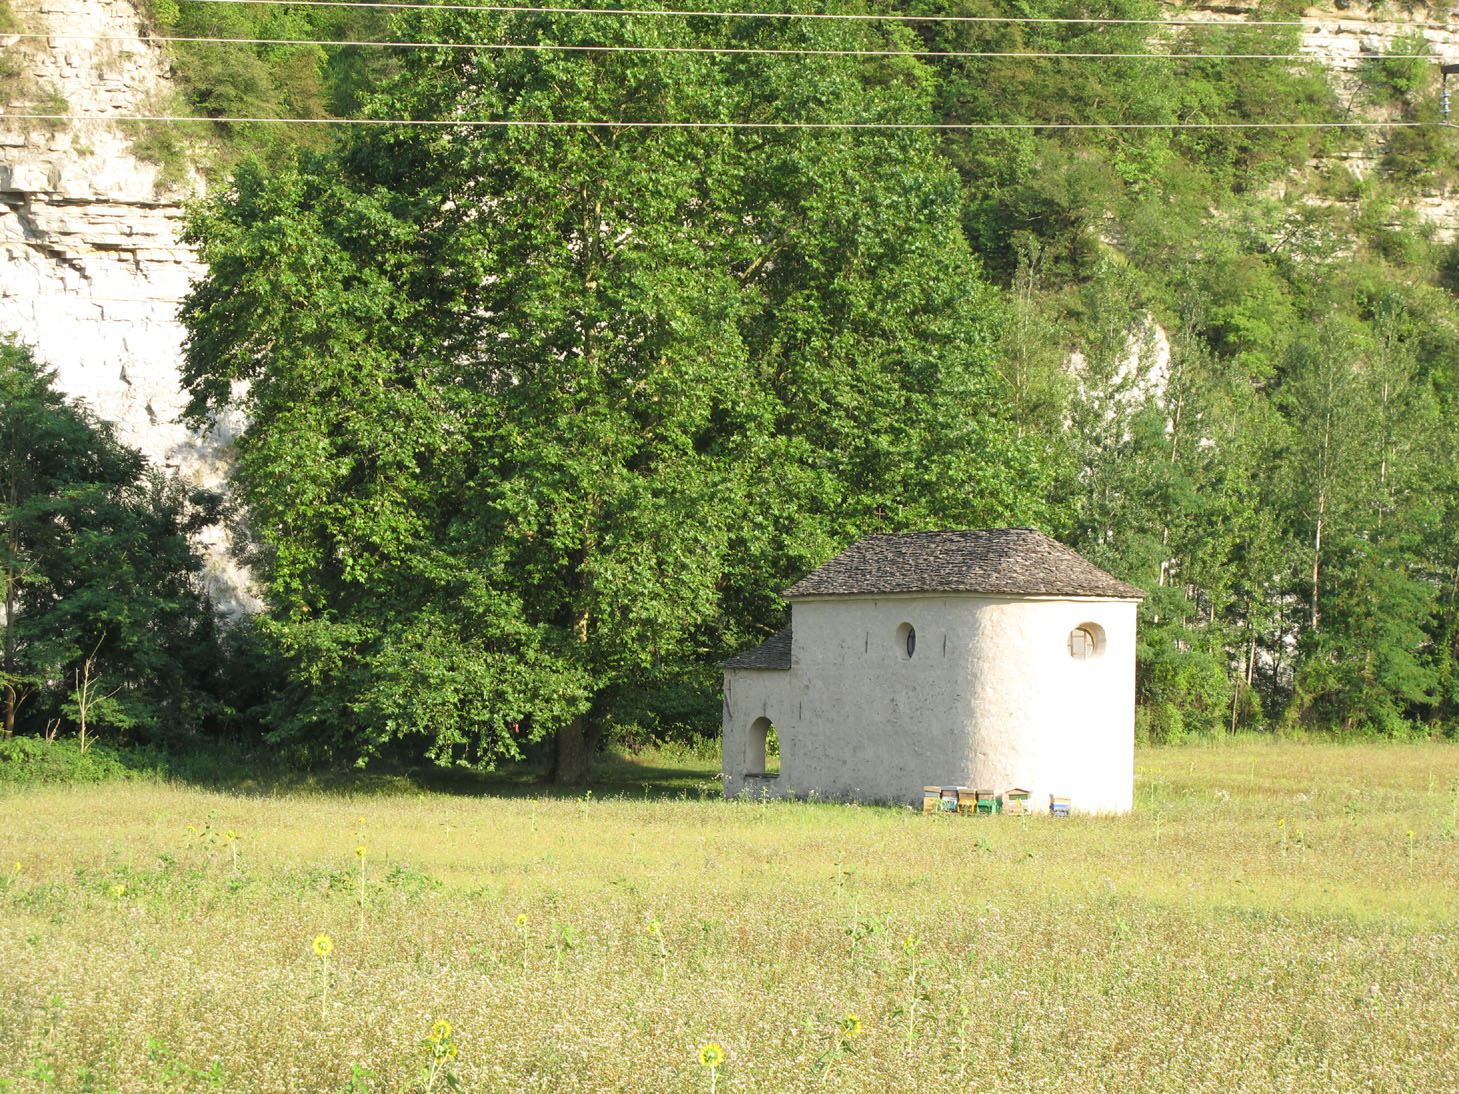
[
  {"x": 104, "y": 625},
  {"x": 541, "y": 418}
]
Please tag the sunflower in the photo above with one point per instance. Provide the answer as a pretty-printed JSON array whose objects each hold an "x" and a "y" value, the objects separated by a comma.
[
  {"x": 711, "y": 1055},
  {"x": 521, "y": 919},
  {"x": 360, "y": 851},
  {"x": 441, "y": 1030},
  {"x": 850, "y": 1026},
  {"x": 323, "y": 944}
]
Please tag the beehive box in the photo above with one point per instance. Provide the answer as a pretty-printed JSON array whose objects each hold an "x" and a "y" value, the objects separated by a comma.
[
  {"x": 1058, "y": 807},
  {"x": 931, "y": 799}
]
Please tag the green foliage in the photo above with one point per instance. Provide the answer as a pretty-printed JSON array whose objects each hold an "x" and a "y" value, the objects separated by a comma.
[
  {"x": 542, "y": 416},
  {"x": 1073, "y": 189},
  {"x": 30, "y": 760},
  {"x": 1394, "y": 81},
  {"x": 224, "y": 80},
  {"x": 102, "y": 618}
]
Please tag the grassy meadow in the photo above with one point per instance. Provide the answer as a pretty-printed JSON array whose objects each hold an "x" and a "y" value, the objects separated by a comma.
[{"x": 1273, "y": 917}]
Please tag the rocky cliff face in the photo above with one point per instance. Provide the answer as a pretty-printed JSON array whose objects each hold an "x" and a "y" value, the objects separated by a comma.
[
  {"x": 91, "y": 266},
  {"x": 92, "y": 269},
  {"x": 1342, "y": 37}
]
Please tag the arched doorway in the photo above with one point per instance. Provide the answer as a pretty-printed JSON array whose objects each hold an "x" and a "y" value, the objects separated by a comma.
[{"x": 762, "y": 750}]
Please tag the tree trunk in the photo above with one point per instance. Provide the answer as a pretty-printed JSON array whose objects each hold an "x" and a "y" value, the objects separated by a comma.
[
  {"x": 570, "y": 757},
  {"x": 13, "y": 698},
  {"x": 1317, "y": 559},
  {"x": 83, "y": 685}
]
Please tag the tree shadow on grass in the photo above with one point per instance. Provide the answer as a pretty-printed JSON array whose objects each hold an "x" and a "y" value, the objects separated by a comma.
[
  {"x": 231, "y": 768},
  {"x": 649, "y": 774}
]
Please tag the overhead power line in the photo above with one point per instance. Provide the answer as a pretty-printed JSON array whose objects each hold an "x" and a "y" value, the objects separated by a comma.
[
  {"x": 795, "y": 51},
  {"x": 849, "y": 17},
  {"x": 554, "y": 123}
]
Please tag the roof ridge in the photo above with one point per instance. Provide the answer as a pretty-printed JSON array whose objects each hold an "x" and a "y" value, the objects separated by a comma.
[{"x": 1011, "y": 561}]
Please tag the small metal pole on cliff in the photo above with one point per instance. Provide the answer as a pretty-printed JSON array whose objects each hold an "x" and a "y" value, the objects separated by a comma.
[{"x": 1446, "y": 71}]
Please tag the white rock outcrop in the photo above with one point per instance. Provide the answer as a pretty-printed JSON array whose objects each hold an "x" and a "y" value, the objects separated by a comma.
[
  {"x": 1346, "y": 34},
  {"x": 92, "y": 269}
]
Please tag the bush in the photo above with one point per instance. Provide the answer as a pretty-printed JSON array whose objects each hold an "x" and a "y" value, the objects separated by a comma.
[
  {"x": 26, "y": 761},
  {"x": 1159, "y": 723},
  {"x": 1399, "y": 80},
  {"x": 29, "y": 760}
]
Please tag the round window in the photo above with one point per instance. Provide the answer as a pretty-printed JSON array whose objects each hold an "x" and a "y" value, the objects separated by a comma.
[
  {"x": 1086, "y": 642},
  {"x": 906, "y": 641}
]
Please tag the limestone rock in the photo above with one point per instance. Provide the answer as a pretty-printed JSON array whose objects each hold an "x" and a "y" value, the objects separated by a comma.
[{"x": 91, "y": 265}]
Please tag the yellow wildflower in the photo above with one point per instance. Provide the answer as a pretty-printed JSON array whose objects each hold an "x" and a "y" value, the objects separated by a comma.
[
  {"x": 711, "y": 1055},
  {"x": 850, "y": 1026},
  {"x": 521, "y": 919},
  {"x": 323, "y": 944},
  {"x": 441, "y": 1030},
  {"x": 360, "y": 851}
]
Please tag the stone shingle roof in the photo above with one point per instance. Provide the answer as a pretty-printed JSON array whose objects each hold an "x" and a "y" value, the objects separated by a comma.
[
  {"x": 1015, "y": 561},
  {"x": 773, "y": 653}
]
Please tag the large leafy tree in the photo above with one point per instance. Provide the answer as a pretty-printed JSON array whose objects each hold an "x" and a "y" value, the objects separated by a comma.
[
  {"x": 541, "y": 417},
  {"x": 103, "y": 623}
]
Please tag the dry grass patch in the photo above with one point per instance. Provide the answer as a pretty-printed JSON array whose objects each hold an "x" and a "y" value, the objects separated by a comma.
[{"x": 586, "y": 944}]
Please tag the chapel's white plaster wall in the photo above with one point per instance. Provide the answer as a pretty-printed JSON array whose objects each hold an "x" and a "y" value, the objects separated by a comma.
[
  {"x": 750, "y": 694},
  {"x": 991, "y": 699}
]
